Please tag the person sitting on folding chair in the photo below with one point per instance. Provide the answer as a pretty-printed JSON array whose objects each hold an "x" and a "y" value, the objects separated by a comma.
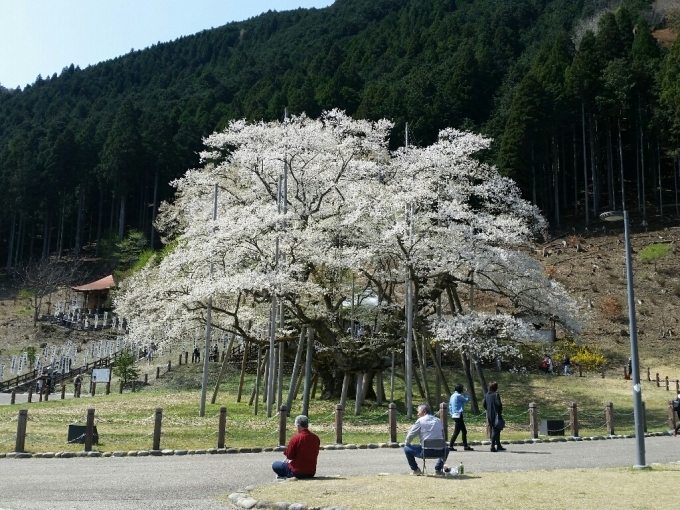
[{"x": 430, "y": 429}]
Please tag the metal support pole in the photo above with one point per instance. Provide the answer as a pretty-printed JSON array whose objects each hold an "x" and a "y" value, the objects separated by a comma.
[
  {"x": 308, "y": 371},
  {"x": 637, "y": 389}
]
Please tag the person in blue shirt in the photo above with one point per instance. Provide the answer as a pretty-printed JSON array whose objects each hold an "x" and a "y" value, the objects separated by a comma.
[{"x": 458, "y": 400}]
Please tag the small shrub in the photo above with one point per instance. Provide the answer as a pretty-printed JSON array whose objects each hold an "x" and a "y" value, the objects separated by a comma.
[
  {"x": 588, "y": 357},
  {"x": 612, "y": 308},
  {"x": 25, "y": 294},
  {"x": 654, "y": 252}
]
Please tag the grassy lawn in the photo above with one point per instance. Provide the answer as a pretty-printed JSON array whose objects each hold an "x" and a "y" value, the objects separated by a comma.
[
  {"x": 595, "y": 489},
  {"x": 125, "y": 422}
]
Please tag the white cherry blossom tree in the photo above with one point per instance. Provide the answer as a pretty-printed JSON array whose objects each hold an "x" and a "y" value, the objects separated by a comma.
[{"x": 433, "y": 214}]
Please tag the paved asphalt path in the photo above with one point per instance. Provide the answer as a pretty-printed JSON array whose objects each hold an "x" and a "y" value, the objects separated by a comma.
[{"x": 199, "y": 482}]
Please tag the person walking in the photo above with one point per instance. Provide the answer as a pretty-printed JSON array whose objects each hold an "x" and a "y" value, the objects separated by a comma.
[
  {"x": 301, "y": 453},
  {"x": 427, "y": 426},
  {"x": 566, "y": 364},
  {"x": 457, "y": 402},
  {"x": 494, "y": 416}
]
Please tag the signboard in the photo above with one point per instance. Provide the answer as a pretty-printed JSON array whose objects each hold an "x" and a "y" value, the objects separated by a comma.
[{"x": 101, "y": 375}]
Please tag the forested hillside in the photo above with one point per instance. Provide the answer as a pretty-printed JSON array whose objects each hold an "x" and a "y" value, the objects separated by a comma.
[{"x": 88, "y": 154}]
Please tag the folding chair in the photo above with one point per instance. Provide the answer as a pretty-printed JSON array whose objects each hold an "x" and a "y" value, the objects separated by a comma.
[{"x": 433, "y": 449}]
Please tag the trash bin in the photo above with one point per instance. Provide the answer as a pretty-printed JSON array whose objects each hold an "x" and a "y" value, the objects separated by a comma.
[{"x": 76, "y": 434}]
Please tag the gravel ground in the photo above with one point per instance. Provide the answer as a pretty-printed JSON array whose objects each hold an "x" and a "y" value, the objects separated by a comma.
[{"x": 202, "y": 482}]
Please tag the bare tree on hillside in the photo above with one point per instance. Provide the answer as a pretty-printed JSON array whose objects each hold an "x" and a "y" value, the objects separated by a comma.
[{"x": 40, "y": 278}]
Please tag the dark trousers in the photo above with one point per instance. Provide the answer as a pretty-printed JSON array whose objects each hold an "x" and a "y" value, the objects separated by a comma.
[
  {"x": 495, "y": 437},
  {"x": 459, "y": 428}
]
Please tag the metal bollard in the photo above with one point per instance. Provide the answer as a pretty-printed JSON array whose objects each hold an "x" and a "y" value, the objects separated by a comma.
[
  {"x": 444, "y": 417},
  {"x": 157, "y": 428},
  {"x": 283, "y": 416},
  {"x": 609, "y": 418},
  {"x": 533, "y": 420},
  {"x": 30, "y": 394},
  {"x": 338, "y": 424},
  {"x": 21, "y": 431},
  {"x": 221, "y": 428},
  {"x": 89, "y": 428},
  {"x": 573, "y": 418},
  {"x": 392, "y": 413}
]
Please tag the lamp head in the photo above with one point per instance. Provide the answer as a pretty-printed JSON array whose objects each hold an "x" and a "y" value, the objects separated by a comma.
[{"x": 612, "y": 216}]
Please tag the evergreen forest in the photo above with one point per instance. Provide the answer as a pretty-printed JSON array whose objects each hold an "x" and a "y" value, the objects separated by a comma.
[{"x": 581, "y": 98}]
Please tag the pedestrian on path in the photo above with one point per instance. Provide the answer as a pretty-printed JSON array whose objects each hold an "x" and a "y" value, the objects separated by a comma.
[
  {"x": 494, "y": 416},
  {"x": 457, "y": 402}
]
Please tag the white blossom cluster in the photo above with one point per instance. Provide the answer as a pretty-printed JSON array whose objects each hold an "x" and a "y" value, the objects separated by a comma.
[{"x": 350, "y": 207}]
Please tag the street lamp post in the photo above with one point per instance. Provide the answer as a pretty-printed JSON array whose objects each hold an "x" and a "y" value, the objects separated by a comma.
[{"x": 635, "y": 359}]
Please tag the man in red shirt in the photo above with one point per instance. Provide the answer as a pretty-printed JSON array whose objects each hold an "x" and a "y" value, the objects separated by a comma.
[{"x": 301, "y": 453}]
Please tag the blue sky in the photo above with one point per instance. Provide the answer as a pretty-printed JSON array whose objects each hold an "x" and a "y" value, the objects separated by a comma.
[{"x": 44, "y": 36}]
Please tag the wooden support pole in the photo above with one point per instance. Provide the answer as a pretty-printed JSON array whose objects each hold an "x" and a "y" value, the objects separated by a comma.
[
  {"x": 649, "y": 374},
  {"x": 158, "y": 372},
  {"x": 609, "y": 418},
  {"x": 392, "y": 378},
  {"x": 120, "y": 390},
  {"x": 30, "y": 394},
  {"x": 169, "y": 365},
  {"x": 157, "y": 429},
  {"x": 186, "y": 358},
  {"x": 580, "y": 370},
  {"x": 379, "y": 391},
  {"x": 180, "y": 360},
  {"x": 437, "y": 365},
  {"x": 283, "y": 416},
  {"x": 108, "y": 385},
  {"x": 533, "y": 420},
  {"x": 300, "y": 378},
  {"x": 338, "y": 424},
  {"x": 93, "y": 389},
  {"x": 573, "y": 419},
  {"x": 89, "y": 430},
  {"x": 392, "y": 414},
  {"x": 658, "y": 382},
  {"x": 222, "y": 427},
  {"x": 315, "y": 381},
  {"x": 345, "y": 388},
  {"x": 13, "y": 397},
  {"x": 357, "y": 401},
  {"x": 146, "y": 380},
  {"x": 46, "y": 389},
  {"x": 63, "y": 391},
  {"x": 667, "y": 384},
  {"x": 223, "y": 369},
  {"x": 677, "y": 387},
  {"x": 244, "y": 362},
  {"x": 20, "y": 444},
  {"x": 292, "y": 392},
  {"x": 443, "y": 416}
]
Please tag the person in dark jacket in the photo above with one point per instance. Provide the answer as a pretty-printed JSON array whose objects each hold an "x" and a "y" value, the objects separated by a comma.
[{"x": 494, "y": 416}]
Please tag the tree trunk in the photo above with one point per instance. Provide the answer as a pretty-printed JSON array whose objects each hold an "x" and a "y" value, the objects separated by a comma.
[
  {"x": 623, "y": 183},
  {"x": 593, "y": 168},
  {"x": 585, "y": 162},
  {"x": 675, "y": 180},
  {"x": 79, "y": 227},
  {"x": 20, "y": 234},
  {"x": 470, "y": 383},
  {"x": 610, "y": 170},
  {"x": 46, "y": 234},
  {"x": 60, "y": 243},
  {"x": 100, "y": 214},
  {"x": 658, "y": 164},
  {"x": 121, "y": 218},
  {"x": 575, "y": 174},
  {"x": 533, "y": 173},
  {"x": 10, "y": 248},
  {"x": 153, "y": 210},
  {"x": 556, "y": 182},
  {"x": 642, "y": 174}
]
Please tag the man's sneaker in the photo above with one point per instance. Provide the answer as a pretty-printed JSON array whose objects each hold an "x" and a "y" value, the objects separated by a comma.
[
  {"x": 280, "y": 479},
  {"x": 468, "y": 449},
  {"x": 416, "y": 472}
]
